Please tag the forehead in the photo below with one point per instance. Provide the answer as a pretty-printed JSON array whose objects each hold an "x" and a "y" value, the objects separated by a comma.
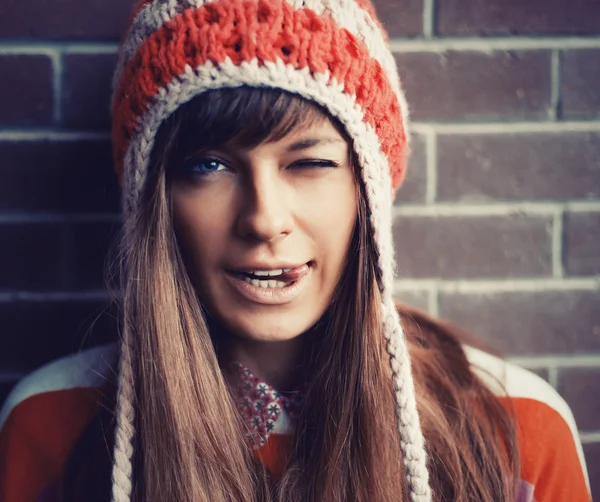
[
  {"x": 247, "y": 117},
  {"x": 319, "y": 132}
]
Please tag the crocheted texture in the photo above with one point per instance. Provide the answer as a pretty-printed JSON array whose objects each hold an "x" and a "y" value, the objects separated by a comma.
[
  {"x": 346, "y": 14},
  {"x": 332, "y": 52},
  {"x": 122, "y": 473},
  {"x": 267, "y": 31}
]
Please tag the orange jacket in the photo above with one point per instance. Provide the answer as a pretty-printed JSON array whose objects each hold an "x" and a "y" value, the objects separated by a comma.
[{"x": 46, "y": 414}]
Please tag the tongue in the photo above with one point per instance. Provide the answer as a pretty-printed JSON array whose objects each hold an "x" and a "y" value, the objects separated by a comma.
[{"x": 294, "y": 274}]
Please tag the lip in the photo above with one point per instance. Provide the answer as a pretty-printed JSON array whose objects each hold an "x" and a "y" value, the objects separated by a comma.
[
  {"x": 269, "y": 296},
  {"x": 264, "y": 266}
]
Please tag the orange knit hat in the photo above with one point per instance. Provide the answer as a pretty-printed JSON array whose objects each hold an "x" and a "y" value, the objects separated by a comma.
[{"x": 174, "y": 50}]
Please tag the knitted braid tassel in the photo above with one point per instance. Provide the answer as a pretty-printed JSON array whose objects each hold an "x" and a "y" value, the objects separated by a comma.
[
  {"x": 122, "y": 472},
  {"x": 331, "y": 52},
  {"x": 412, "y": 441}
]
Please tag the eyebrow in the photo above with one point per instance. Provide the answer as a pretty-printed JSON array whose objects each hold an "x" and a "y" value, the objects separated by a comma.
[{"x": 310, "y": 142}]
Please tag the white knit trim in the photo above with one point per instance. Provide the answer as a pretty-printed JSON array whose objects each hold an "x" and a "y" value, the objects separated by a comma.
[
  {"x": 347, "y": 14},
  {"x": 325, "y": 91},
  {"x": 412, "y": 441},
  {"x": 122, "y": 469}
]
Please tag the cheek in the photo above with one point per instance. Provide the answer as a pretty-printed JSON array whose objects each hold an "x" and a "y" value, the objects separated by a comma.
[
  {"x": 332, "y": 214},
  {"x": 199, "y": 228}
]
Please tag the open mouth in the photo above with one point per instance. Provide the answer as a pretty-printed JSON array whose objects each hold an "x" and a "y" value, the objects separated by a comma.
[
  {"x": 274, "y": 278},
  {"x": 271, "y": 286},
  {"x": 261, "y": 282}
]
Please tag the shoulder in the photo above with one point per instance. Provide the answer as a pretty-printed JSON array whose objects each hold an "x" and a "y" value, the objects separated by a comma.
[
  {"x": 505, "y": 378},
  {"x": 91, "y": 368},
  {"x": 547, "y": 434},
  {"x": 45, "y": 416}
]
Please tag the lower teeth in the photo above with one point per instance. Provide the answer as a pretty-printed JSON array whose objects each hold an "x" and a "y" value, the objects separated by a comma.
[{"x": 266, "y": 284}]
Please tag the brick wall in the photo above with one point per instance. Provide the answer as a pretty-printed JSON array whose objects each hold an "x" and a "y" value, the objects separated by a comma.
[{"x": 497, "y": 227}]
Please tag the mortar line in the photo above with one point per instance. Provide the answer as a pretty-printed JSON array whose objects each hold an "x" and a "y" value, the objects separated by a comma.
[
  {"x": 45, "y": 47},
  {"x": 490, "y": 45},
  {"x": 396, "y": 44},
  {"x": 575, "y": 207},
  {"x": 428, "y": 18},
  {"x": 506, "y": 127},
  {"x": 52, "y": 296},
  {"x": 589, "y": 437},
  {"x": 424, "y": 285},
  {"x": 431, "y": 167},
  {"x": 553, "y": 376},
  {"x": 417, "y": 127},
  {"x": 490, "y": 286},
  {"x": 52, "y": 135},
  {"x": 553, "y": 112},
  {"x": 26, "y": 50},
  {"x": 57, "y": 76},
  {"x": 433, "y": 303},
  {"x": 430, "y": 292},
  {"x": 556, "y": 362},
  {"x": 557, "y": 244},
  {"x": 58, "y": 218},
  {"x": 442, "y": 210}
]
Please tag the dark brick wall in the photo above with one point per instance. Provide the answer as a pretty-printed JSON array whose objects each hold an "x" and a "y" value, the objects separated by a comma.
[
  {"x": 27, "y": 97},
  {"x": 497, "y": 226}
]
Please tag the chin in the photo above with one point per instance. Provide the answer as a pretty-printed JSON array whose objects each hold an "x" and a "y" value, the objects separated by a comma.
[
  {"x": 270, "y": 327},
  {"x": 269, "y": 330}
]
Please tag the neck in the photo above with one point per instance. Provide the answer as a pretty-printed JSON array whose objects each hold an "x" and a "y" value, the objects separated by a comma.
[{"x": 278, "y": 364}]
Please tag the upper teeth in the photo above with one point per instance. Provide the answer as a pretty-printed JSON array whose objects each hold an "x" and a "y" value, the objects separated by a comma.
[{"x": 265, "y": 273}]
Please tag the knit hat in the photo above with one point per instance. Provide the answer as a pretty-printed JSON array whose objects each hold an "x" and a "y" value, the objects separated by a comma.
[{"x": 331, "y": 52}]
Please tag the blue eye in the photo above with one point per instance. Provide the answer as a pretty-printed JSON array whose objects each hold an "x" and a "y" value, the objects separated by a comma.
[{"x": 205, "y": 166}]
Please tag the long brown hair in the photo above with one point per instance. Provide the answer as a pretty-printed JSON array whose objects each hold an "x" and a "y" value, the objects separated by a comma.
[{"x": 190, "y": 444}]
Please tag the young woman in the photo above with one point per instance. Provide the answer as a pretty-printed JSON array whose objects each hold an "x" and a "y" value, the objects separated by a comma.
[{"x": 262, "y": 356}]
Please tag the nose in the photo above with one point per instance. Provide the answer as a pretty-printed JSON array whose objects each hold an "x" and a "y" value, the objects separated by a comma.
[{"x": 265, "y": 213}]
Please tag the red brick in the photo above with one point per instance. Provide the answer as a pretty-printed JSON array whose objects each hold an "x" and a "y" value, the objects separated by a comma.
[
  {"x": 454, "y": 247},
  {"x": 582, "y": 243},
  {"x": 401, "y": 19},
  {"x": 31, "y": 256},
  {"x": 592, "y": 458},
  {"x": 578, "y": 386},
  {"x": 45, "y": 330},
  {"x": 66, "y": 19},
  {"x": 529, "y": 323},
  {"x": 476, "y": 86},
  {"x": 415, "y": 185},
  {"x": 518, "y": 17},
  {"x": 579, "y": 84},
  {"x": 87, "y": 82},
  {"x": 87, "y": 254},
  {"x": 26, "y": 92},
  {"x": 550, "y": 166},
  {"x": 71, "y": 176}
]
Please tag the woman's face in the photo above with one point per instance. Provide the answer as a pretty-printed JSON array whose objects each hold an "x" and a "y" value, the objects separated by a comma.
[{"x": 266, "y": 230}]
